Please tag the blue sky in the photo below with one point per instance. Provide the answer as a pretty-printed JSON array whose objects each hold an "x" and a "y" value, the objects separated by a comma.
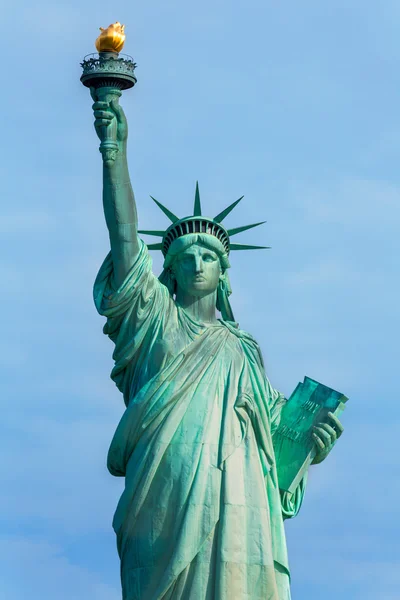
[{"x": 297, "y": 106}]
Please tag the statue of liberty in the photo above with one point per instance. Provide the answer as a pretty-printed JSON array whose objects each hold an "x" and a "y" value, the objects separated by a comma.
[{"x": 201, "y": 516}]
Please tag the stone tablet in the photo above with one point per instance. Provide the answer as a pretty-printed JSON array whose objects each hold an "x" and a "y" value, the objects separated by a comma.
[{"x": 294, "y": 447}]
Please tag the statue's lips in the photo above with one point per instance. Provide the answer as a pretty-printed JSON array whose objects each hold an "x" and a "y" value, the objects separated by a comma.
[{"x": 199, "y": 279}]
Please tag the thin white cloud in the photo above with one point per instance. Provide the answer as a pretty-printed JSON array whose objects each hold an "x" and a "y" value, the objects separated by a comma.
[
  {"x": 61, "y": 466},
  {"x": 43, "y": 569}
]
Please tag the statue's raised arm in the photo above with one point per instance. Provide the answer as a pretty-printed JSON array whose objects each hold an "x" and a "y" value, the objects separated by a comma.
[{"x": 118, "y": 198}]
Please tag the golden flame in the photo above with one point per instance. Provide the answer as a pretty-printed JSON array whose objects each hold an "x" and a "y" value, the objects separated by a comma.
[{"x": 111, "y": 39}]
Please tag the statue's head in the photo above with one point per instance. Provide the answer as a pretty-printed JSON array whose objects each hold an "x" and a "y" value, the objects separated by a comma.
[
  {"x": 196, "y": 253},
  {"x": 196, "y": 264}
]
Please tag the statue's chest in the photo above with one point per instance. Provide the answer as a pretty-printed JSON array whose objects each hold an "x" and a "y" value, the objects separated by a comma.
[
  {"x": 176, "y": 340},
  {"x": 167, "y": 347}
]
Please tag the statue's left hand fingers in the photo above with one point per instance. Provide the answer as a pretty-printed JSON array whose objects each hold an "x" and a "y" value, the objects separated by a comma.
[
  {"x": 337, "y": 424},
  {"x": 323, "y": 435},
  {"x": 318, "y": 442},
  {"x": 330, "y": 431}
]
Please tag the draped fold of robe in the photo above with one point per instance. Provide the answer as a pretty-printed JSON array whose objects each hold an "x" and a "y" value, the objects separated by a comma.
[{"x": 201, "y": 516}]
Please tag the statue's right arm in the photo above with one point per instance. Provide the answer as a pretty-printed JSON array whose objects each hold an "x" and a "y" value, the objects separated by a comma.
[{"x": 118, "y": 198}]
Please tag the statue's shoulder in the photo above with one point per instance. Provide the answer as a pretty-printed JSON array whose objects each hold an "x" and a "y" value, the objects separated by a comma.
[{"x": 234, "y": 328}]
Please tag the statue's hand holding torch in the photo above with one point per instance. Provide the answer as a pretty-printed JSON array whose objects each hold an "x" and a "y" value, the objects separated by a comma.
[
  {"x": 106, "y": 74},
  {"x": 110, "y": 124}
]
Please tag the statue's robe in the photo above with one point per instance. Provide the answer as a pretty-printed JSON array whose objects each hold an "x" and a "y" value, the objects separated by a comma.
[{"x": 201, "y": 516}]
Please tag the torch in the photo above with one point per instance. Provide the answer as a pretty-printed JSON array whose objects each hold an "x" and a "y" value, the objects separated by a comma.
[{"x": 108, "y": 73}]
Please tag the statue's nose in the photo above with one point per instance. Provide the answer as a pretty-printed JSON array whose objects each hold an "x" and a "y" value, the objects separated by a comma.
[{"x": 198, "y": 265}]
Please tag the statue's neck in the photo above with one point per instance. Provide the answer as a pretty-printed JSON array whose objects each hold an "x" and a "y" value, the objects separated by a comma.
[{"x": 199, "y": 309}]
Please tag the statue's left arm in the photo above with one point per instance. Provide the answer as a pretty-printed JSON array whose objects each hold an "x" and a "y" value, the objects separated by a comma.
[
  {"x": 325, "y": 436},
  {"x": 291, "y": 503}
]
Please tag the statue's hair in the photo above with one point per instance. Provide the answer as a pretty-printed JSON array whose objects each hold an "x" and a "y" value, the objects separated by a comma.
[{"x": 205, "y": 239}]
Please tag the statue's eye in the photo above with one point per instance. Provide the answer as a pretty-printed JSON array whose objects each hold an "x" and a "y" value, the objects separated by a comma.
[
  {"x": 208, "y": 258},
  {"x": 187, "y": 260}
]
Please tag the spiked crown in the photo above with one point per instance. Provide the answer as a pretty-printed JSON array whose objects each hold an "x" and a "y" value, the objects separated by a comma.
[{"x": 199, "y": 224}]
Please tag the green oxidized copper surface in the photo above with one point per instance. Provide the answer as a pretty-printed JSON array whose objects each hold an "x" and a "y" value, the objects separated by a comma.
[
  {"x": 106, "y": 74},
  {"x": 197, "y": 223},
  {"x": 201, "y": 516},
  {"x": 108, "y": 69},
  {"x": 309, "y": 404}
]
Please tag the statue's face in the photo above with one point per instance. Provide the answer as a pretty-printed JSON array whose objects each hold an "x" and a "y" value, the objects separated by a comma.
[{"x": 197, "y": 270}]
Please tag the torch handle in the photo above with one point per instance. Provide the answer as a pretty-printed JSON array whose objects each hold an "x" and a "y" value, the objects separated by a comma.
[{"x": 109, "y": 146}]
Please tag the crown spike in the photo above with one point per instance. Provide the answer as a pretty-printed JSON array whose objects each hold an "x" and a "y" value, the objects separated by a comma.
[
  {"x": 221, "y": 216},
  {"x": 236, "y": 230},
  {"x": 197, "y": 204},
  {"x": 165, "y": 210},
  {"x": 247, "y": 247},
  {"x": 154, "y": 246},
  {"x": 152, "y": 232}
]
